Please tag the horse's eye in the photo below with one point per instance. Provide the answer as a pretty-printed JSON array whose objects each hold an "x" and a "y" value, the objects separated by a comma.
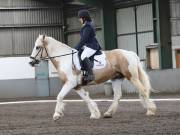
[{"x": 37, "y": 47}]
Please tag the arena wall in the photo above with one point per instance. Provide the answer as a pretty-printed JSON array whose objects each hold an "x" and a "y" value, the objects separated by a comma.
[{"x": 18, "y": 79}]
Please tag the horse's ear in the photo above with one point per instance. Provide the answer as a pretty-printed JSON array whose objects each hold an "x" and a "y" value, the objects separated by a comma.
[{"x": 44, "y": 37}]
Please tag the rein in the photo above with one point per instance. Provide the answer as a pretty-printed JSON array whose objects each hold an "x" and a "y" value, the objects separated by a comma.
[{"x": 51, "y": 57}]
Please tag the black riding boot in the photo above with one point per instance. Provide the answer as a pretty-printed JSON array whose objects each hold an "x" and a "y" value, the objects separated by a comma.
[{"x": 88, "y": 68}]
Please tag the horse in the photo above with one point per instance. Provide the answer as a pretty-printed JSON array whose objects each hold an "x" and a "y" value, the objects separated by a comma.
[{"x": 121, "y": 64}]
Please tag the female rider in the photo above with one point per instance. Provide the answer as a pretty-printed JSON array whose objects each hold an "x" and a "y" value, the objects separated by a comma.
[{"x": 88, "y": 44}]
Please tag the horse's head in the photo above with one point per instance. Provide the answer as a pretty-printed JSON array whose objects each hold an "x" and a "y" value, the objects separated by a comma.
[{"x": 39, "y": 51}]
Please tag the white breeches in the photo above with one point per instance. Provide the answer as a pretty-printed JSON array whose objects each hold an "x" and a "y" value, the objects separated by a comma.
[{"x": 87, "y": 52}]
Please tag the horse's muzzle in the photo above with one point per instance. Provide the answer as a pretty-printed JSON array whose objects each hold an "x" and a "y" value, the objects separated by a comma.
[{"x": 34, "y": 62}]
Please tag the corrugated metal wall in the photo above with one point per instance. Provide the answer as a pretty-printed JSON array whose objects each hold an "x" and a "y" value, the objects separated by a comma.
[
  {"x": 126, "y": 29},
  {"x": 135, "y": 28},
  {"x": 175, "y": 29},
  {"x": 144, "y": 28},
  {"x": 175, "y": 22},
  {"x": 73, "y": 26},
  {"x": 23, "y": 20},
  {"x": 128, "y": 3},
  {"x": 29, "y": 3}
]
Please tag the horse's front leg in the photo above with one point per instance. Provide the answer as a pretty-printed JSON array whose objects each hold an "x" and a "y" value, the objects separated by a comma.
[
  {"x": 95, "y": 113},
  {"x": 67, "y": 87}
]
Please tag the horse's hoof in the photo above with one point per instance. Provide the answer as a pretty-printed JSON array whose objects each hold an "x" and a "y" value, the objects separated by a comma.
[
  {"x": 151, "y": 112},
  {"x": 95, "y": 116},
  {"x": 107, "y": 115},
  {"x": 57, "y": 116}
]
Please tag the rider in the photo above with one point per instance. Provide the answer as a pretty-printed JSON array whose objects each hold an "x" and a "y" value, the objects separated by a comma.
[{"x": 88, "y": 44}]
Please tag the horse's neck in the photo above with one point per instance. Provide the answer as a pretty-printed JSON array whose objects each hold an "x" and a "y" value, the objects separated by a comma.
[{"x": 58, "y": 48}]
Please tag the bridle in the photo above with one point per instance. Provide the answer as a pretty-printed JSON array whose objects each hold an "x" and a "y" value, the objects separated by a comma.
[{"x": 48, "y": 57}]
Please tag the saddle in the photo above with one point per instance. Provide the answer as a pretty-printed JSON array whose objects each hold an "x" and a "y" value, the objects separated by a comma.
[{"x": 98, "y": 52}]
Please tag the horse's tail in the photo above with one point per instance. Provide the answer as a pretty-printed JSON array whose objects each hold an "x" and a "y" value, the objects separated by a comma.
[{"x": 144, "y": 78}]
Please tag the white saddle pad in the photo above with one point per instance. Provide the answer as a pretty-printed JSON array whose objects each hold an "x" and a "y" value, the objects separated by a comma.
[{"x": 99, "y": 62}]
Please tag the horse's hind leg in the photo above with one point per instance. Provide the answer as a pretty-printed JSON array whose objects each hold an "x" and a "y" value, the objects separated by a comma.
[
  {"x": 116, "y": 84},
  {"x": 148, "y": 104},
  {"x": 95, "y": 114},
  {"x": 144, "y": 97}
]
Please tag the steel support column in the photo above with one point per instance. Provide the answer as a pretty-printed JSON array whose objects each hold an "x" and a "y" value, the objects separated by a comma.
[
  {"x": 162, "y": 32},
  {"x": 109, "y": 25}
]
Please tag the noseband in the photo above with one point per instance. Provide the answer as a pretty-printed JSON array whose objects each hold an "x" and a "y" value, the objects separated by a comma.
[{"x": 35, "y": 60}]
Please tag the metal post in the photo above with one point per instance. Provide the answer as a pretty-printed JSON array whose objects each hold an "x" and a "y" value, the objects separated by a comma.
[
  {"x": 162, "y": 32},
  {"x": 109, "y": 25},
  {"x": 135, "y": 12}
]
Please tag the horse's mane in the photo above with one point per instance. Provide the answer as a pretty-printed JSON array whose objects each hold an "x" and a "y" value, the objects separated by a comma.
[{"x": 56, "y": 42}]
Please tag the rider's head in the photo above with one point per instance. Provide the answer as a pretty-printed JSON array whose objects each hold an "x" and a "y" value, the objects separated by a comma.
[{"x": 84, "y": 15}]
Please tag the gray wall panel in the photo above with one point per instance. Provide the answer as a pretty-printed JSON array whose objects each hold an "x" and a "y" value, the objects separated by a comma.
[
  {"x": 165, "y": 80},
  {"x": 55, "y": 86},
  {"x": 175, "y": 23},
  {"x": 23, "y": 20},
  {"x": 6, "y": 17},
  {"x": 73, "y": 23},
  {"x": 73, "y": 39},
  {"x": 5, "y": 3},
  {"x": 26, "y": 3},
  {"x": 175, "y": 17},
  {"x": 100, "y": 38},
  {"x": 127, "y": 42},
  {"x": 18, "y": 88},
  {"x": 175, "y": 27},
  {"x": 35, "y": 16},
  {"x": 25, "y": 38},
  {"x": 6, "y": 42},
  {"x": 144, "y": 39},
  {"x": 43, "y": 16},
  {"x": 125, "y": 20},
  {"x": 29, "y": 3},
  {"x": 127, "y": 26},
  {"x": 144, "y": 18},
  {"x": 175, "y": 8},
  {"x": 96, "y": 16}
]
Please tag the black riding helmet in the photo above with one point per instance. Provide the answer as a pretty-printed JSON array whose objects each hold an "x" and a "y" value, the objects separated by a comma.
[{"x": 84, "y": 14}]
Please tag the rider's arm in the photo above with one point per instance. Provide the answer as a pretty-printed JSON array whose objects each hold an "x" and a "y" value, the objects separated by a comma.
[{"x": 86, "y": 33}]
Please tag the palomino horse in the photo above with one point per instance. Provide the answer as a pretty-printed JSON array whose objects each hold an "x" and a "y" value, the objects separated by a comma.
[{"x": 119, "y": 62}]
